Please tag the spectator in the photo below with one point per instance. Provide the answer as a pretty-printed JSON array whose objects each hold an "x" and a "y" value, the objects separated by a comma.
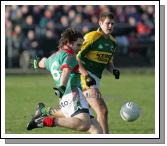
[
  {"x": 71, "y": 15},
  {"x": 28, "y": 24},
  {"x": 8, "y": 43},
  {"x": 30, "y": 49},
  {"x": 25, "y": 10},
  {"x": 120, "y": 16},
  {"x": 17, "y": 16},
  {"x": 49, "y": 43},
  {"x": 123, "y": 44},
  {"x": 37, "y": 14},
  {"x": 17, "y": 39},
  {"x": 78, "y": 22},
  {"x": 48, "y": 15}
]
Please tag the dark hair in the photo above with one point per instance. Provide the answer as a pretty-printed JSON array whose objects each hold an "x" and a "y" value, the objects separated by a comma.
[
  {"x": 105, "y": 15},
  {"x": 69, "y": 35}
]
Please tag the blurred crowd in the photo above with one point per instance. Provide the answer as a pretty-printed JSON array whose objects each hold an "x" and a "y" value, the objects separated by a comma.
[{"x": 35, "y": 30}]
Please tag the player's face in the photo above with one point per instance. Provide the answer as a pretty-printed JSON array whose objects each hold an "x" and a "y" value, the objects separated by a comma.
[
  {"x": 107, "y": 25},
  {"x": 77, "y": 45}
]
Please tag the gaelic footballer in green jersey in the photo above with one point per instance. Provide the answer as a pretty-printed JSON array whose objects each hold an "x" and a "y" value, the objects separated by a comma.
[{"x": 63, "y": 66}]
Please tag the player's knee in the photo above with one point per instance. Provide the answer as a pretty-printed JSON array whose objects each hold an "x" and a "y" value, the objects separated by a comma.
[
  {"x": 94, "y": 93},
  {"x": 84, "y": 126}
]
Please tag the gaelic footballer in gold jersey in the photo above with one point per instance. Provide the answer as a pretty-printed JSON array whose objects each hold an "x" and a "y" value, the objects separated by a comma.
[{"x": 95, "y": 55}]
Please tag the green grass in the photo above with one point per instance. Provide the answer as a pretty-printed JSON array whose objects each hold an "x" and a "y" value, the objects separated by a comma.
[{"x": 22, "y": 93}]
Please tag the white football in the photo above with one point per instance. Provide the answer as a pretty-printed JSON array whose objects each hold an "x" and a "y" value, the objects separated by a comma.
[{"x": 130, "y": 111}]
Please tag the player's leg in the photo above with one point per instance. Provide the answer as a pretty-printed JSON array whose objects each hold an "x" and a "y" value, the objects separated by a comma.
[
  {"x": 56, "y": 112},
  {"x": 95, "y": 127},
  {"x": 95, "y": 100},
  {"x": 79, "y": 122},
  {"x": 80, "y": 119},
  {"x": 42, "y": 110},
  {"x": 57, "y": 118},
  {"x": 74, "y": 109},
  {"x": 99, "y": 107},
  {"x": 97, "y": 103}
]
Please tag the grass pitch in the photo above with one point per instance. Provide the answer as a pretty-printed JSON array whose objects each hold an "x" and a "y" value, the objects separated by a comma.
[{"x": 22, "y": 93}]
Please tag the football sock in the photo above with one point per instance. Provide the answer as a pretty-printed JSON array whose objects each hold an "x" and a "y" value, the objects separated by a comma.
[{"x": 48, "y": 121}]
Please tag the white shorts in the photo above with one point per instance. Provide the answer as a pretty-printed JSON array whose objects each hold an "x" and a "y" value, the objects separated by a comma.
[
  {"x": 74, "y": 103},
  {"x": 96, "y": 79}
]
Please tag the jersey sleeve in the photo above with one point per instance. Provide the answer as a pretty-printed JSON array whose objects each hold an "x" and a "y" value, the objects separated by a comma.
[
  {"x": 115, "y": 48},
  {"x": 69, "y": 62},
  {"x": 88, "y": 41},
  {"x": 47, "y": 63}
]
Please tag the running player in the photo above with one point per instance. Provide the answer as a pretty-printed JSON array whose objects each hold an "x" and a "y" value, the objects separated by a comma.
[{"x": 95, "y": 55}]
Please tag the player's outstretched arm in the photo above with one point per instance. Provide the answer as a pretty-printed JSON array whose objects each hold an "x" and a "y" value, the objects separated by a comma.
[
  {"x": 41, "y": 63},
  {"x": 38, "y": 63}
]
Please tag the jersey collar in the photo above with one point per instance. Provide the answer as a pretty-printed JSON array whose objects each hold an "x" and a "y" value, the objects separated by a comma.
[
  {"x": 100, "y": 30},
  {"x": 68, "y": 50}
]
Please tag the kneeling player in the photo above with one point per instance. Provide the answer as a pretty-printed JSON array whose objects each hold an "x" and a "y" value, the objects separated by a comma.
[{"x": 63, "y": 66}]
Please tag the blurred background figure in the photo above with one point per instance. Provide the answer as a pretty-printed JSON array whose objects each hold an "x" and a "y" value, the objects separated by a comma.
[
  {"x": 30, "y": 49},
  {"x": 35, "y": 29}
]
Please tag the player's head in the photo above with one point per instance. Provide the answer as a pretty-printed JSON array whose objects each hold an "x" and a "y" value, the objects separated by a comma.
[
  {"x": 71, "y": 39},
  {"x": 106, "y": 22}
]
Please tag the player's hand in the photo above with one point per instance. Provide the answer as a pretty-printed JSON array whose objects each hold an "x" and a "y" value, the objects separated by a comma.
[
  {"x": 90, "y": 81},
  {"x": 59, "y": 91},
  {"x": 116, "y": 73},
  {"x": 34, "y": 62}
]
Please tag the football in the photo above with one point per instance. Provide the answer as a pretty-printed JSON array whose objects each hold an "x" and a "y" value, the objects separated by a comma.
[{"x": 130, "y": 111}]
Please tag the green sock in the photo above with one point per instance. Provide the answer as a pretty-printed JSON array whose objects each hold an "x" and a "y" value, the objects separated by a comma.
[{"x": 45, "y": 111}]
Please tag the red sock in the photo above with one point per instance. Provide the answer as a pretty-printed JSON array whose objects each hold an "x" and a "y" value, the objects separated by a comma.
[{"x": 48, "y": 121}]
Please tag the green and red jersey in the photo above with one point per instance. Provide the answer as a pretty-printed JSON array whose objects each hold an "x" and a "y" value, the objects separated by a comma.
[{"x": 63, "y": 59}]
